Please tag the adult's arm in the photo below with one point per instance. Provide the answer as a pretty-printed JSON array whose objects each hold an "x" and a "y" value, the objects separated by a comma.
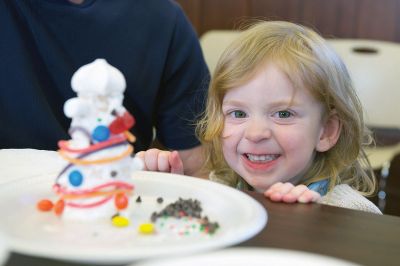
[{"x": 184, "y": 88}]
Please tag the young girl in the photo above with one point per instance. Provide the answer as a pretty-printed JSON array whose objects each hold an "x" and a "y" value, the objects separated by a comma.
[{"x": 283, "y": 118}]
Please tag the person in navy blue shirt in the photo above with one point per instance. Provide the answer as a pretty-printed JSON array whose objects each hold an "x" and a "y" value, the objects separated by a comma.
[{"x": 43, "y": 42}]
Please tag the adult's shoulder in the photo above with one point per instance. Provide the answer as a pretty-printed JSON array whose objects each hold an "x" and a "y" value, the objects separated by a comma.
[
  {"x": 164, "y": 8},
  {"x": 162, "y": 16}
]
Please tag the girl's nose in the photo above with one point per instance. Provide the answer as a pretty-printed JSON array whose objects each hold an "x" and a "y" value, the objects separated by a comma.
[{"x": 257, "y": 130}]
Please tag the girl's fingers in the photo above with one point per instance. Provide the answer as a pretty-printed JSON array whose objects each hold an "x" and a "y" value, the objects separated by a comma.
[
  {"x": 151, "y": 159},
  {"x": 272, "y": 189},
  {"x": 294, "y": 194},
  {"x": 163, "y": 161},
  {"x": 309, "y": 196},
  {"x": 285, "y": 188},
  {"x": 176, "y": 163},
  {"x": 279, "y": 191},
  {"x": 287, "y": 192}
]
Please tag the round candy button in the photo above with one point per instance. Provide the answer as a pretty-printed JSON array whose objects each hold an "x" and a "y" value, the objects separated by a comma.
[
  {"x": 75, "y": 178},
  {"x": 146, "y": 228},
  {"x": 120, "y": 221},
  {"x": 101, "y": 133}
]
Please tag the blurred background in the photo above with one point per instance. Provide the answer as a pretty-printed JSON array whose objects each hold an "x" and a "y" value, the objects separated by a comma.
[
  {"x": 365, "y": 33},
  {"x": 367, "y": 19}
]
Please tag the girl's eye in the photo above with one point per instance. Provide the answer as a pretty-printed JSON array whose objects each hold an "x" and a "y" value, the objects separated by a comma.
[
  {"x": 238, "y": 114},
  {"x": 284, "y": 114}
]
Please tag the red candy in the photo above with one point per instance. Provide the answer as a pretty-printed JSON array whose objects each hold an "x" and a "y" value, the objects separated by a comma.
[
  {"x": 45, "y": 205},
  {"x": 122, "y": 123},
  {"x": 121, "y": 201}
]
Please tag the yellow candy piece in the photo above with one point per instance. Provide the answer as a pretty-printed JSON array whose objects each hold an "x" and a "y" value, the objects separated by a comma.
[
  {"x": 120, "y": 221},
  {"x": 146, "y": 228}
]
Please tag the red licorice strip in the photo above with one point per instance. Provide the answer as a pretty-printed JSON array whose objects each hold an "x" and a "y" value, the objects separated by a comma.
[
  {"x": 63, "y": 144},
  {"x": 59, "y": 190},
  {"x": 81, "y": 161},
  {"x": 96, "y": 194},
  {"x": 90, "y": 205}
]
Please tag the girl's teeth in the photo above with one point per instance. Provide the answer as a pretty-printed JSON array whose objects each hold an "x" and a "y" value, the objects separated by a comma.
[{"x": 261, "y": 158}]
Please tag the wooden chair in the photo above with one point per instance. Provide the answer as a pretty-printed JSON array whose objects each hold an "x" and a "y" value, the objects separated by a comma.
[
  {"x": 213, "y": 43},
  {"x": 375, "y": 69}
]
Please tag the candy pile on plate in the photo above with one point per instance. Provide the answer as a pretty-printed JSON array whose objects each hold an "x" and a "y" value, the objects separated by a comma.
[{"x": 184, "y": 217}]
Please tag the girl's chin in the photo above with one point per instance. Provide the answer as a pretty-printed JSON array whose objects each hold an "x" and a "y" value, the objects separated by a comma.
[
  {"x": 257, "y": 186},
  {"x": 260, "y": 190}
]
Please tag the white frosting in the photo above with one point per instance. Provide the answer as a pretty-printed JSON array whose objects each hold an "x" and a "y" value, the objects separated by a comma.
[
  {"x": 95, "y": 175},
  {"x": 98, "y": 104},
  {"x": 100, "y": 88},
  {"x": 76, "y": 107},
  {"x": 98, "y": 78}
]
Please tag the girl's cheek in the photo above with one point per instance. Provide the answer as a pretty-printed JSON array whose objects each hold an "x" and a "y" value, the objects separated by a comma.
[
  {"x": 291, "y": 141},
  {"x": 228, "y": 131}
]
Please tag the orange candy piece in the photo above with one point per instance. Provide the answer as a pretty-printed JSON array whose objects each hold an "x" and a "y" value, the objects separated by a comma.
[
  {"x": 121, "y": 201},
  {"x": 59, "y": 207},
  {"x": 45, "y": 205}
]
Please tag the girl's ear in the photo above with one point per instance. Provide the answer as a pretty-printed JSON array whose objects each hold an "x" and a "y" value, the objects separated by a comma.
[{"x": 330, "y": 133}]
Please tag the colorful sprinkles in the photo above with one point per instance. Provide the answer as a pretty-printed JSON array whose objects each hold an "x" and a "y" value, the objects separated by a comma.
[{"x": 189, "y": 211}]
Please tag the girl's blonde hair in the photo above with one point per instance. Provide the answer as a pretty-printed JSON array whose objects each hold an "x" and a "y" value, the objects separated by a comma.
[{"x": 308, "y": 61}]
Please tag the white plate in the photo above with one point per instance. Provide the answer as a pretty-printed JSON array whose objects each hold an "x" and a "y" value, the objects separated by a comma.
[
  {"x": 20, "y": 163},
  {"x": 4, "y": 250},
  {"x": 42, "y": 234},
  {"x": 249, "y": 256}
]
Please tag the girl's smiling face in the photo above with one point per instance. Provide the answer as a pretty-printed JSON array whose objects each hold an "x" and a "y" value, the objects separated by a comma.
[{"x": 271, "y": 130}]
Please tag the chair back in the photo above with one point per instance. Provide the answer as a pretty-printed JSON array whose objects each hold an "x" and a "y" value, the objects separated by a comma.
[
  {"x": 375, "y": 69},
  {"x": 213, "y": 43}
]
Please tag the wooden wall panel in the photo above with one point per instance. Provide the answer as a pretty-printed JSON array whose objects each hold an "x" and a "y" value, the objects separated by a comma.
[
  {"x": 329, "y": 17},
  {"x": 192, "y": 9},
  {"x": 378, "y": 19},
  {"x": 277, "y": 9},
  {"x": 223, "y": 14},
  {"x": 347, "y": 13},
  {"x": 371, "y": 19}
]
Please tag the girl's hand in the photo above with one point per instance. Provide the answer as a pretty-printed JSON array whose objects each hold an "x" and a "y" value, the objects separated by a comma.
[
  {"x": 161, "y": 161},
  {"x": 287, "y": 192}
]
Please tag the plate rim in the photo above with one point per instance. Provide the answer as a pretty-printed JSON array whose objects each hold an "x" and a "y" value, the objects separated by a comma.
[
  {"x": 238, "y": 251},
  {"x": 24, "y": 246}
]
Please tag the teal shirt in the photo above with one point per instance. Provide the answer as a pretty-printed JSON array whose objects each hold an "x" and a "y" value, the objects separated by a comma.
[{"x": 320, "y": 186}]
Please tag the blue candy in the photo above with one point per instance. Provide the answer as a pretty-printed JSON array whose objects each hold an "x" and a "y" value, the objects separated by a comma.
[
  {"x": 101, "y": 133},
  {"x": 75, "y": 178}
]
